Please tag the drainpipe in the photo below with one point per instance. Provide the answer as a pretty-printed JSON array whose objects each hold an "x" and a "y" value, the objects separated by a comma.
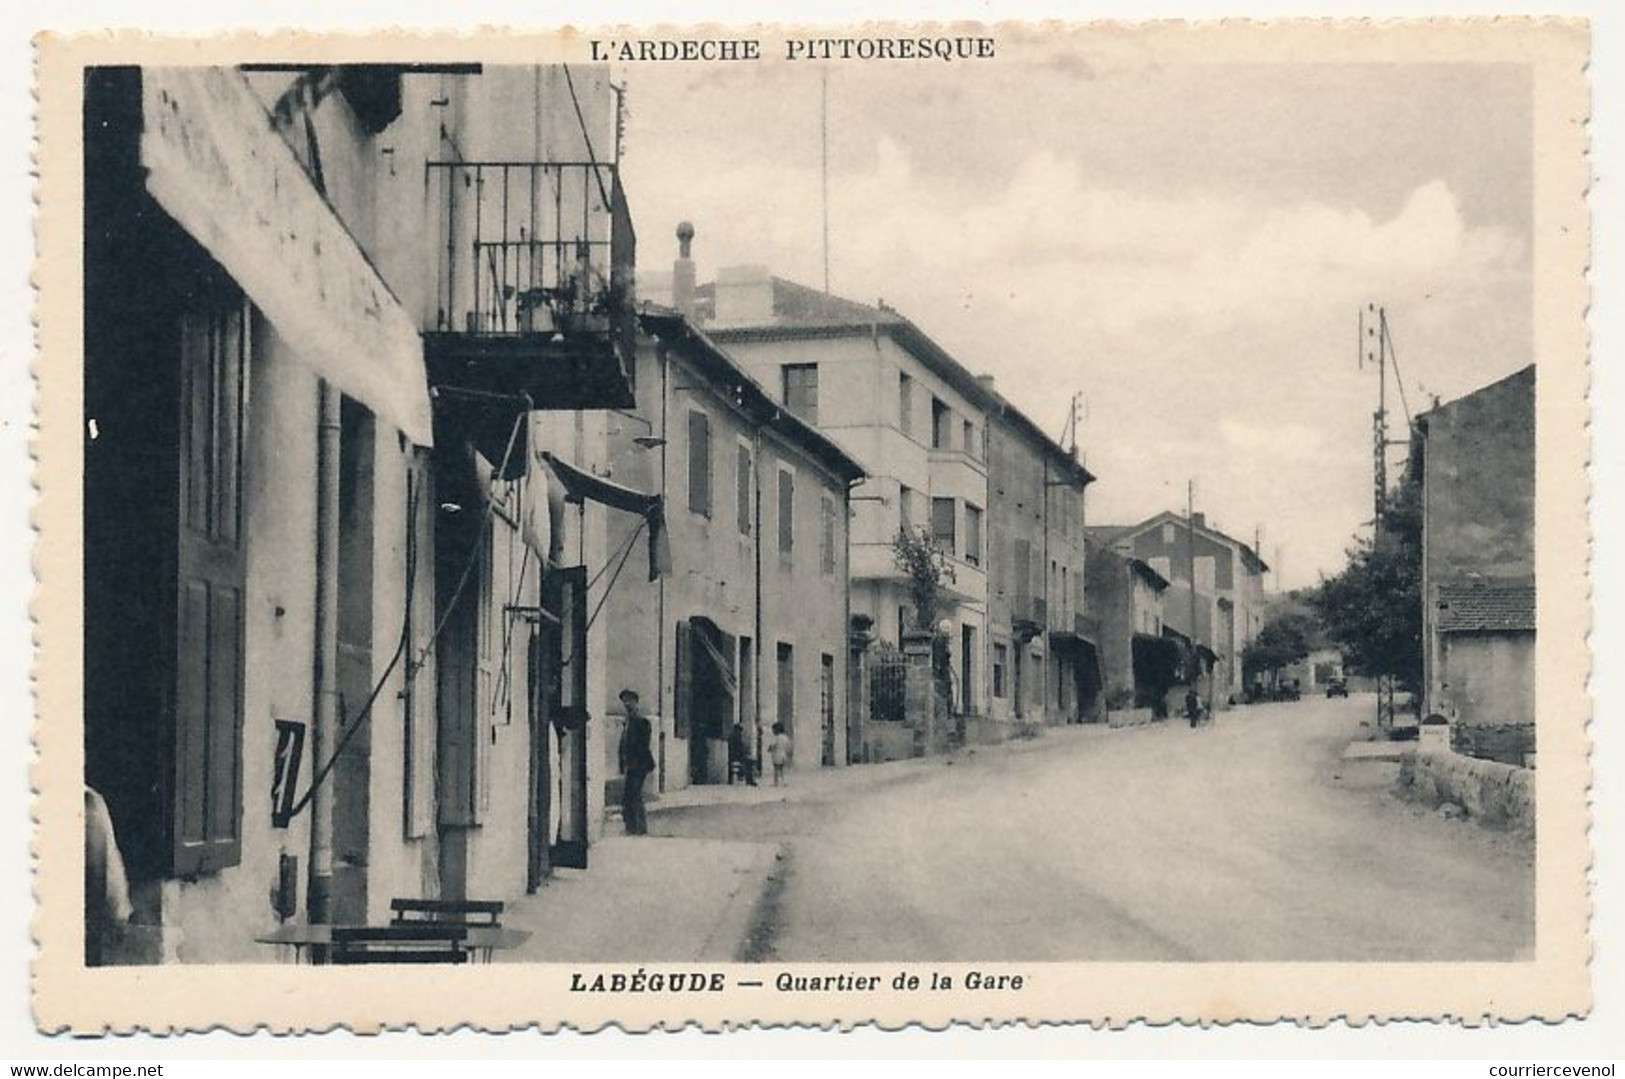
[
  {"x": 660, "y": 587},
  {"x": 325, "y": 728}
]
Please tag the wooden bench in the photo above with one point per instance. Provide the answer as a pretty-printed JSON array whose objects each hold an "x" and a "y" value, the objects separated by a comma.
[{"x": 422, "y": 942}]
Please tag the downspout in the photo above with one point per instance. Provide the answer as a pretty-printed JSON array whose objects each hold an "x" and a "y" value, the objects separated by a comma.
[
  {"x": 660, "y": 588},
  {"x": 756, "y": 528},
  {"x": 325, "y": 727}
]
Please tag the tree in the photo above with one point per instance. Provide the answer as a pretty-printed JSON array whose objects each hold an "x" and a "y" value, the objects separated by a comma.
[
  {"x": 1285, "y": 639},
  {"x": 1373, "y": 608},
  {"x": 927, "y": 566}
]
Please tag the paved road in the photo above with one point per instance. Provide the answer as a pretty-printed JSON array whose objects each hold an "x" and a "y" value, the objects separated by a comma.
[{"x": 1247, "y": 840}]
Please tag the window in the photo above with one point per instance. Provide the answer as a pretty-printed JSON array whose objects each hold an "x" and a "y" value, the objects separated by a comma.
[
  {"x": 970, "y": 438},
  {"x": 942, "y": 430},
  {"x": 1205, "y": 573},
  {"x": 1161, "y": 563},
  {"x": 826, "y": 535},
  {"x": 905, "y": 403},
  {"x": 787, "y": 512},
  {"x": 942, "y": 524},
  {"x": 973, "y": 535},
  {"x": 902, "y": 623},
  {"x": 742, "y": 488},
  {"x": 905, "y": 508},
  {"x": 1168, "y": 532},
  {"x": 801, "y": 390},
  {"x": 699, "y": 463},
  {"x": 1001, "y": 659}
]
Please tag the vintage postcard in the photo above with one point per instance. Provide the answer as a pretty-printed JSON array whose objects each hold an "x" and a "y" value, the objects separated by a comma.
[{"x": 828, "y": 525}]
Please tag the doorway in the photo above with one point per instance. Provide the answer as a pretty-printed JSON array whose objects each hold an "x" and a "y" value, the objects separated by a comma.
[
  {"x": 787, "y": 692},
  {"x": 352, "y": 769},
  {"x": 826, "y": 706}
]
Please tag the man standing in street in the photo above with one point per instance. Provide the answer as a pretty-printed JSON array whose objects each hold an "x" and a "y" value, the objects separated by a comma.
[{"x": 636, "y": 764}]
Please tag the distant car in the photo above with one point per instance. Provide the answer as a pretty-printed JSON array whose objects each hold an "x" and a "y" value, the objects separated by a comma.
[{"x": 1337, "y": 687}]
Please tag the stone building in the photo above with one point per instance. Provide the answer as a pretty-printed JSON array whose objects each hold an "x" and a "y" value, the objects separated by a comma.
[
  {"x": 1045, "y": 666},
  {"x": 915, "y": 418},
  {"x": 335, "y": 645},
  {"x": 1125, "y": 610},
  {"x": 751, "y": 625},
  {"x": 1478, "y": 566},
  {"x": 1215, "y": 595}
]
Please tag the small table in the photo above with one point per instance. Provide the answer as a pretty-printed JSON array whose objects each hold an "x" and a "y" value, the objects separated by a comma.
[{"x": 481, "y": 939}]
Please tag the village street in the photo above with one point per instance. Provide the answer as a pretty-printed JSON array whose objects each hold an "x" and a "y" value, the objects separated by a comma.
[{"x": 1247, "y": 840}]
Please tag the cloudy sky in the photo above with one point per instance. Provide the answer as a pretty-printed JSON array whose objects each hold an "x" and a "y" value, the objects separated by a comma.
[{"x": 1186, "y": 244}]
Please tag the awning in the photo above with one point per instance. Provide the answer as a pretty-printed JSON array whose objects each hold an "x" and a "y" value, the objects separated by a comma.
[
  {"x": 582, "y": 486},
  {"x": 216, "y": 165}
]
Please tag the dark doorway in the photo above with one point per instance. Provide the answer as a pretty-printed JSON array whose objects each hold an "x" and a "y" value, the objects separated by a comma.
[
  {"x": 787, "y": 692},
  {"x": 706, "y": 667},
  {"x": 352, "y": 771},
  {"x": 826, "y": 705}
]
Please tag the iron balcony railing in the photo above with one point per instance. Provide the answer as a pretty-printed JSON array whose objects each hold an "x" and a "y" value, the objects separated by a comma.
[{"x": 534, "y": 247}]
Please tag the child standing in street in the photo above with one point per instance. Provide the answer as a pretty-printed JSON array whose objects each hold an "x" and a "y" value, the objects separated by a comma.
[{"x": 779, "y": 751}]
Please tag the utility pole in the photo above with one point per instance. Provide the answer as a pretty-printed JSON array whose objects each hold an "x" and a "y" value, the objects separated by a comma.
[
  {"x": 823, "y": 146},
  {"x": 1190, "y": 563}
]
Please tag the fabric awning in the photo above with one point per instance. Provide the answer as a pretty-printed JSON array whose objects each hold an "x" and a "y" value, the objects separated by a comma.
[
  {"x": 218, "y": 167},
  {"x": 582, "y": 486}
]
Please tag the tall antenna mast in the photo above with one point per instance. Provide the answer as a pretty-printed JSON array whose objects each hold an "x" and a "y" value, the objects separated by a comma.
[
  {"x": 1377, "y": 347},
  {"x": 823, "y": 145}
]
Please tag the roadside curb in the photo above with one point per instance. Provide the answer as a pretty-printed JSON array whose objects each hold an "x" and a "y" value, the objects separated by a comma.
[{"x": 732, "y": 931}]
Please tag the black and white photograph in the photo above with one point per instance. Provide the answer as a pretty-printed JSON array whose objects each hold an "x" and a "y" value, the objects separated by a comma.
[{"x": 756, "y": 510}]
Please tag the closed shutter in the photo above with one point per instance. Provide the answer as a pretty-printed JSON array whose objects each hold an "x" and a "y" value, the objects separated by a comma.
[
  {"x": 787, "y": 512},
  {"x": 683, "y": 675},
  {"x": 1021, "y": 564},
  {"x": 699, "y": 463},
  {"x": 742, "y": 489},
  {"x": 206, "y": 797}
]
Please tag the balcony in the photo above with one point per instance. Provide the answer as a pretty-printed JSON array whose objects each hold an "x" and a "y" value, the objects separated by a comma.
[
  {"x": 534, "y": 293},
  {"x": 1029, "y": 616}
]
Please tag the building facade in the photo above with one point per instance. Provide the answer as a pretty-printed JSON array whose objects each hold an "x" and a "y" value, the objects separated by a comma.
[
  {"x": 1125, "y": 610},
  {"x": 751, "y": 624},
  {"x": 1478, "y": 565},
  {"x": 320, "y": 548},
  {"x": 915, "y": 418},
  {"x": 1215, "y": 595},
  {"x": 1044, "y": 659}
]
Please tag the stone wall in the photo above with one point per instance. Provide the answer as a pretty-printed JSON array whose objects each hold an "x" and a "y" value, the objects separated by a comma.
[
  {"x": 1493, "y": 793},
  {"x": 1509, "y": 743}
]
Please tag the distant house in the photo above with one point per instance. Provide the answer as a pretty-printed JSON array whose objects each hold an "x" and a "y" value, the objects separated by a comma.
[
  {"x": 1226, "y": 577},
  {"x": 1125, "y": 598},
  {"x": 1478, "y": 563}
]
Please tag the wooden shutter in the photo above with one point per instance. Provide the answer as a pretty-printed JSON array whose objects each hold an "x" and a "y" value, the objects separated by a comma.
[
  {"x": 206, "y": 794},
  {"x": 683, "y": 677},
  {"x": 826, "y": 535},
  {"x": 743, "y": 485},
  {"x": 787, "y": 512},
  {"x": 699, "y": 463}
]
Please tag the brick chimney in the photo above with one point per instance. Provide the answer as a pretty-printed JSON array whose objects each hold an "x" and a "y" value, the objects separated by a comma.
[
  {"x": 1199, "y": 519},
  {"x": 682, "y": 272}
]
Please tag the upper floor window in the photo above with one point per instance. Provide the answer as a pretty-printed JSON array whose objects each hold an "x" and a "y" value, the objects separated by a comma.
[
  {"x": 905, "y": 508},
  {"x": 699, "y": 463},
  {"x": 1169, "y": 533},
  {"x": 942, "y": 419},
  {"x": 973, "y": 534},
  {"x": 905, "y": 403},
  {"x": 970, "y": 439},
  {"x": 801, "y": 390},
  {"x": 826, "y": 535},
  {"x": 742, "y": 488},
  {"x": 787, "y": 512},
  {"x": 942, "y": 524}
]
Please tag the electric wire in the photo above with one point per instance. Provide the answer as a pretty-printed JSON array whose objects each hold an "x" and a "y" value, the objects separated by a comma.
[{"x": 320, "y": 775}]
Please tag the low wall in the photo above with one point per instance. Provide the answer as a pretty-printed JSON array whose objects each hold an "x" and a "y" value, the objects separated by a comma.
[
  {"x": 886, "y": 741},
  {"x": 1128, "y": 717},
  {"x": 1494, "y": 793},
  {"x": 1509, "y": 743}
]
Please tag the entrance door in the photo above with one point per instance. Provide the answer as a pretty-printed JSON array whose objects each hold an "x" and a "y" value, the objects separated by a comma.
[
  {"x": 564, "y": 595},
  {"x": 826, "y": 705},
  {"x": 787, "y": 692}
]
